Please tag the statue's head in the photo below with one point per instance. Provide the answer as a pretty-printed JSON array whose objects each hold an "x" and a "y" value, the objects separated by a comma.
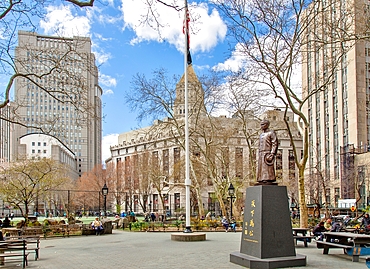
[{"x": 265, "y": 124}]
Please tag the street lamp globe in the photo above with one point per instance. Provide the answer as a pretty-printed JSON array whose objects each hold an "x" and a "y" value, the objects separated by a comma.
[
  {"x": 104, "y": 190},
  {"x": 231, "y": 189}
]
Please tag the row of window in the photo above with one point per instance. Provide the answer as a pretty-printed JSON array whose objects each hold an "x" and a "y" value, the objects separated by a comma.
[
  {"x": 39, "y": 151},
  {"x": 39, "y": 144}
]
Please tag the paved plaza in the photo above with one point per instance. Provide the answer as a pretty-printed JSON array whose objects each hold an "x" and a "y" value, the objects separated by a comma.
[{"x": 124, "y": 249}]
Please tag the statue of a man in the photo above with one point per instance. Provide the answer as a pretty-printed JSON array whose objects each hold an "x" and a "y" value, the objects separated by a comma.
[{"x": 266, "y": 155}]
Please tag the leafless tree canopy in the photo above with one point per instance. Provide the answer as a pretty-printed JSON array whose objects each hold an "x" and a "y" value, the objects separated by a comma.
[
  {"x": 275, "y": 36},
  {"x": 157, "y": 94}
]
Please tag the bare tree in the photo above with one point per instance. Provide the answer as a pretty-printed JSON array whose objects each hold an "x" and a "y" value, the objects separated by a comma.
[
  {"x": 210, "y": 160},
  {"x": 272, "y": 38},
  {"x": 88, "y": 188},
  {"x": 115, "y": 182}
]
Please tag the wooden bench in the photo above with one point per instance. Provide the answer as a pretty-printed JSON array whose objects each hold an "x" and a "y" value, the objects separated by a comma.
[
  {"x": 32, "y": 243},
  {"x": 73, "y": 228},
  {"x": 32, "y": 231},
  {"x": 304, "y": 238},
  {"x": 55, "y": 229},
  {"x": 23, "y": 257},
  {"x": 13, "y": 249},
  {"x": 87, "y": 229}
]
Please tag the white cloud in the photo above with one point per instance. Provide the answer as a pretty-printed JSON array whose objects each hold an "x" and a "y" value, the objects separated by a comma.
[
  {"x": 107, "y": 141},
  {"x": 238, "y": 60},
  {"x": 106, "y": 19},
  {"x": 234, "y": 63},
  {"x": 107, "y": 80},
  {"x": 207, "y": 27},
  {"x": 101, "y": 57},
  {"x": 108, "y": 92},
  {"x": 60, "y": 21},
  {"x": 102, "y": 38}
]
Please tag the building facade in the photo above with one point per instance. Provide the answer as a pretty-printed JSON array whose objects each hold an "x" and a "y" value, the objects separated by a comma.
[
  {"x": 151, "y": 160},
  {"x": 336, "y": 83},
  {"x": 36, "y": 146},
  {"x": 59, "y": 94},
  {"x": 5, "y": 134}
]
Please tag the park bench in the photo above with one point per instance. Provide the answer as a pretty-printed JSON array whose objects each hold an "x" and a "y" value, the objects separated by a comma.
[
  {"x": 32, "y": 231},
  {"x": 73, "y": 229},
  {"x": 12, "y": 255},
  {"x": 61, "y": 229},
  {"x": 14, "y": 251},
  {"x": 87, "y": 229},
  {"x": 32, "y": 243}
]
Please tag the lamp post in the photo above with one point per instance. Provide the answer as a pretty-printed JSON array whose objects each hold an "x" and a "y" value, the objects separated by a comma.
[
  {"x": 231, "y": 191},
  {"x": 104, "y": 191}
]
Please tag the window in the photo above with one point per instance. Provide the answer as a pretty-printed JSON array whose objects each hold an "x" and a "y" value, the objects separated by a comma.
[
  {"x": 33, "y": 143},
  {"x": 44, "y": 144},
  {"x": 177, "y": 200},
  {"x": 44, "y": 151},
  {"x": 239, "y": 162},
  {"x": 176, "y": 164},
  {"x": 33, "y": 151}
]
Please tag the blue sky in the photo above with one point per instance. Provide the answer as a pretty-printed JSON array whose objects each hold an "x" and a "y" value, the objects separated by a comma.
[{"x": 123, "y": 47}]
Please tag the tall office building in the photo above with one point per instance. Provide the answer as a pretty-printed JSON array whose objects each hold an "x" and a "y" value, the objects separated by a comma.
[
  {"x": 60, "y": 94},
  {"x": 5, "y": 134},
  {"x": 336, "y": 81}
]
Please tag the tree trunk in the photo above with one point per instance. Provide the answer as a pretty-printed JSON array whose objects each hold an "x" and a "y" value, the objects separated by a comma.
[
  {"x": 26, "y": 212},
  {"x": 303, "y": 221},
  {"x": 200, "y": 203}
]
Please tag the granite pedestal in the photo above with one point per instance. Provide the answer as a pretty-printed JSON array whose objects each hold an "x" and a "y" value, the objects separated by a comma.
[
  {"x": 187, "y": 237},
  {"x": 267, "y": 238}
]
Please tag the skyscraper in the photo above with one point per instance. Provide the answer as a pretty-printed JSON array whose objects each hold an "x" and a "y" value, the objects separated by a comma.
[
  {"x": 58, "y": 94},
  {"x": 5, "y": 134},
  {"x": 336, "y": 83}
]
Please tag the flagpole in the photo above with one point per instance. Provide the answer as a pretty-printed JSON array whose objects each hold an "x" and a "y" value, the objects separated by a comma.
[{"x": 187, "y": 160}]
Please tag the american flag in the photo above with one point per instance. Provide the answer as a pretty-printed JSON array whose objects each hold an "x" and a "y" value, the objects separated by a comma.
[{"x": 185, "y": 30}]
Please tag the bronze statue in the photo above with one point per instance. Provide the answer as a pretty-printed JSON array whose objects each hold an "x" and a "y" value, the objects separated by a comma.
[{"x": 266, "y": 155}]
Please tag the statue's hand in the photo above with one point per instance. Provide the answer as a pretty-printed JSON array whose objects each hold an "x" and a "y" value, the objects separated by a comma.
[{"x": 270, "y": 157}]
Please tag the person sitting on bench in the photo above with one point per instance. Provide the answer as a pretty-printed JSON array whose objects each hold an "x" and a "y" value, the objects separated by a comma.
[
  {"x": 97, "y": 226},
  {"x": 318, "y": 230}
]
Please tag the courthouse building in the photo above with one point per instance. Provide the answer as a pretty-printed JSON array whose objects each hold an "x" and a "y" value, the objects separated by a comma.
[{"x": 151, "y": 159}]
